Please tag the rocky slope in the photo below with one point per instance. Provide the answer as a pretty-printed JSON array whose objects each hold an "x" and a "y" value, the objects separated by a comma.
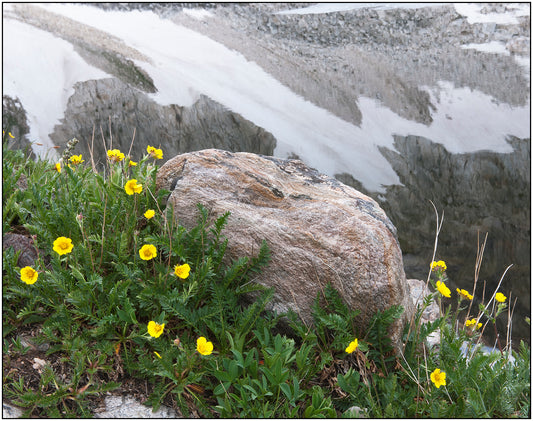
[{"x": 121, "y": 113}]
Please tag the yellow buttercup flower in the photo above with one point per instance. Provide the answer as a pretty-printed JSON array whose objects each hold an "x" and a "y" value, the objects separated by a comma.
[
  {"x": 500, "y": 297},
  {"x": 352, "y": 347},
  {"x": 154, "y": 152},
  {"x": 182, "y": 271},
  {"x": 440, "y": 265},
  {"x": 63, "y": 245},
  {"x": 28, "y": 275},
  {"x": 148, "y": 252},
  {"x": 472, "y": 323},
  {"x": 115, "y": 155},
  {"x": 131, "y": 163},
  {"x": 443, "y": 289},
  {"x": 464, "y": 294},
  {"x": 76, "y": 159},
  {"x": 58, "y": 167},
  {"x": 203, "y": 346},
  {"x": 438, "y": 378},
  {"x": 155, "y": 329},
  {"x": 149, "y": 214},
  {"x": 131, "y": 187}
]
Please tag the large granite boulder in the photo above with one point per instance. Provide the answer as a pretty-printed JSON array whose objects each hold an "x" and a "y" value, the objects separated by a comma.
[{"x": 318, "y": 229}]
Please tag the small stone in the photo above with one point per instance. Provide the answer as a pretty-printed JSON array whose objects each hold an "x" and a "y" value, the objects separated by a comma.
[
  {"x": 128, "y": 407},
  {"x": 10, "y": 411},
  {"x": 38, "y": 364},
  {"x": 355, "y": 412}
]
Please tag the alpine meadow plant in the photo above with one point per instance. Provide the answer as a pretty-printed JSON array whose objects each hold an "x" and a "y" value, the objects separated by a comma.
[{"x": 121, "y": 290}]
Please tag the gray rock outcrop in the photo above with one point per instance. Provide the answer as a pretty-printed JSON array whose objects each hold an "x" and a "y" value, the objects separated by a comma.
[
  {"x": 483, "y": 192},
  {"x": 20, "y": 243},
  {"x": 98, "y": 106},
  {"x": 15, "y": 121},
  {"x": 318, "y": 230}
]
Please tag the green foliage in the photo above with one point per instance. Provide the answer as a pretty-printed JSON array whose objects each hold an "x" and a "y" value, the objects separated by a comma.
[
  {"x": 334, "y": 320},
  {"x": 55, "y": 397},
  {"x": 92, "y": 307}
]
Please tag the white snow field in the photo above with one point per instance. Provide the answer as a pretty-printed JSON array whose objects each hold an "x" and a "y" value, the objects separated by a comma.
[{"x": 41, "y": 69}]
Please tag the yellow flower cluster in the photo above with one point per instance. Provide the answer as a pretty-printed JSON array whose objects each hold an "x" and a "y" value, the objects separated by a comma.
[
  {"x": 203, "y": 346},
  {"x": 352, "y": 347},
  {"x": 76, "y": 159},
  {"x": 472, "y": 323},
  {"x": 443, "y": 289},
  {"x": 132, "y": 187},
  {"x": 115, "y": 155},
  {"x": 440, "y": 265},
  {"x": 464, "y": 294},
  {"x": 154, "y": 152},
  {"x": 500, "y": 297}
]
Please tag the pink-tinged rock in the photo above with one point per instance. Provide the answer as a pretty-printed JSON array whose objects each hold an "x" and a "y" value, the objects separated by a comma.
[{"x": 318, "y": 229}]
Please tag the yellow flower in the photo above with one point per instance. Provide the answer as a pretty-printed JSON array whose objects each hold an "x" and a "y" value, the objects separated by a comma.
[
  {"x": 182, "y": 271},
  {"x": 464, "y": 294},
  {"x": 154, "y": 152},
  {"x": 132, "y": 187},
  {"x": 28, "y": 275},
  {"x": 203, "y": 346},
  {"x": 115, "y": 155},
  {"x": 76, "y": 159},
  {"x": 58, "y": 167},
  {"x": 440, "y": 265},
  {"x": 443, "y": 289},
  {"x": 155, "y": 329},
  {"x": 500, "y": 297},
  {"x": 148, "y": 252},
  {"x": 438, "y": 378},
  {"x": 472, "y": 323},
  {"x": 149, "y": 214},
  {"x": 157, "y": 353},
  {"x": 131, "y": 163},
  {"x": 63, "y": 245},
  {"x": 352, "y": 347}
]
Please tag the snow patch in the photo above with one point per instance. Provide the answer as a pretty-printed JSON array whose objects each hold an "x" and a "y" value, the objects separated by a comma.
[
  {"x": 41, "y": 71},
  {"x": 472, "y": 12},
  {"x": 495, "y": 47},
  {"x": 199, "y": 14}
]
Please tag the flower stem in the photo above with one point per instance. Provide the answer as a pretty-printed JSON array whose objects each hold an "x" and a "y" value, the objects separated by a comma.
[{"x": 497, "y": 337}]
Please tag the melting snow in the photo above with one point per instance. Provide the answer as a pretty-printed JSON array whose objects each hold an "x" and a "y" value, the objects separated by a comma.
[{"x": 185, "y": 64}]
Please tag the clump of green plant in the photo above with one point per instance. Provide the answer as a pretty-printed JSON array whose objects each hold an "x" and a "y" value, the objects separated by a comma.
[
  {"x": 121, "y": 289},
  {"x": 455, "y": 379}
]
